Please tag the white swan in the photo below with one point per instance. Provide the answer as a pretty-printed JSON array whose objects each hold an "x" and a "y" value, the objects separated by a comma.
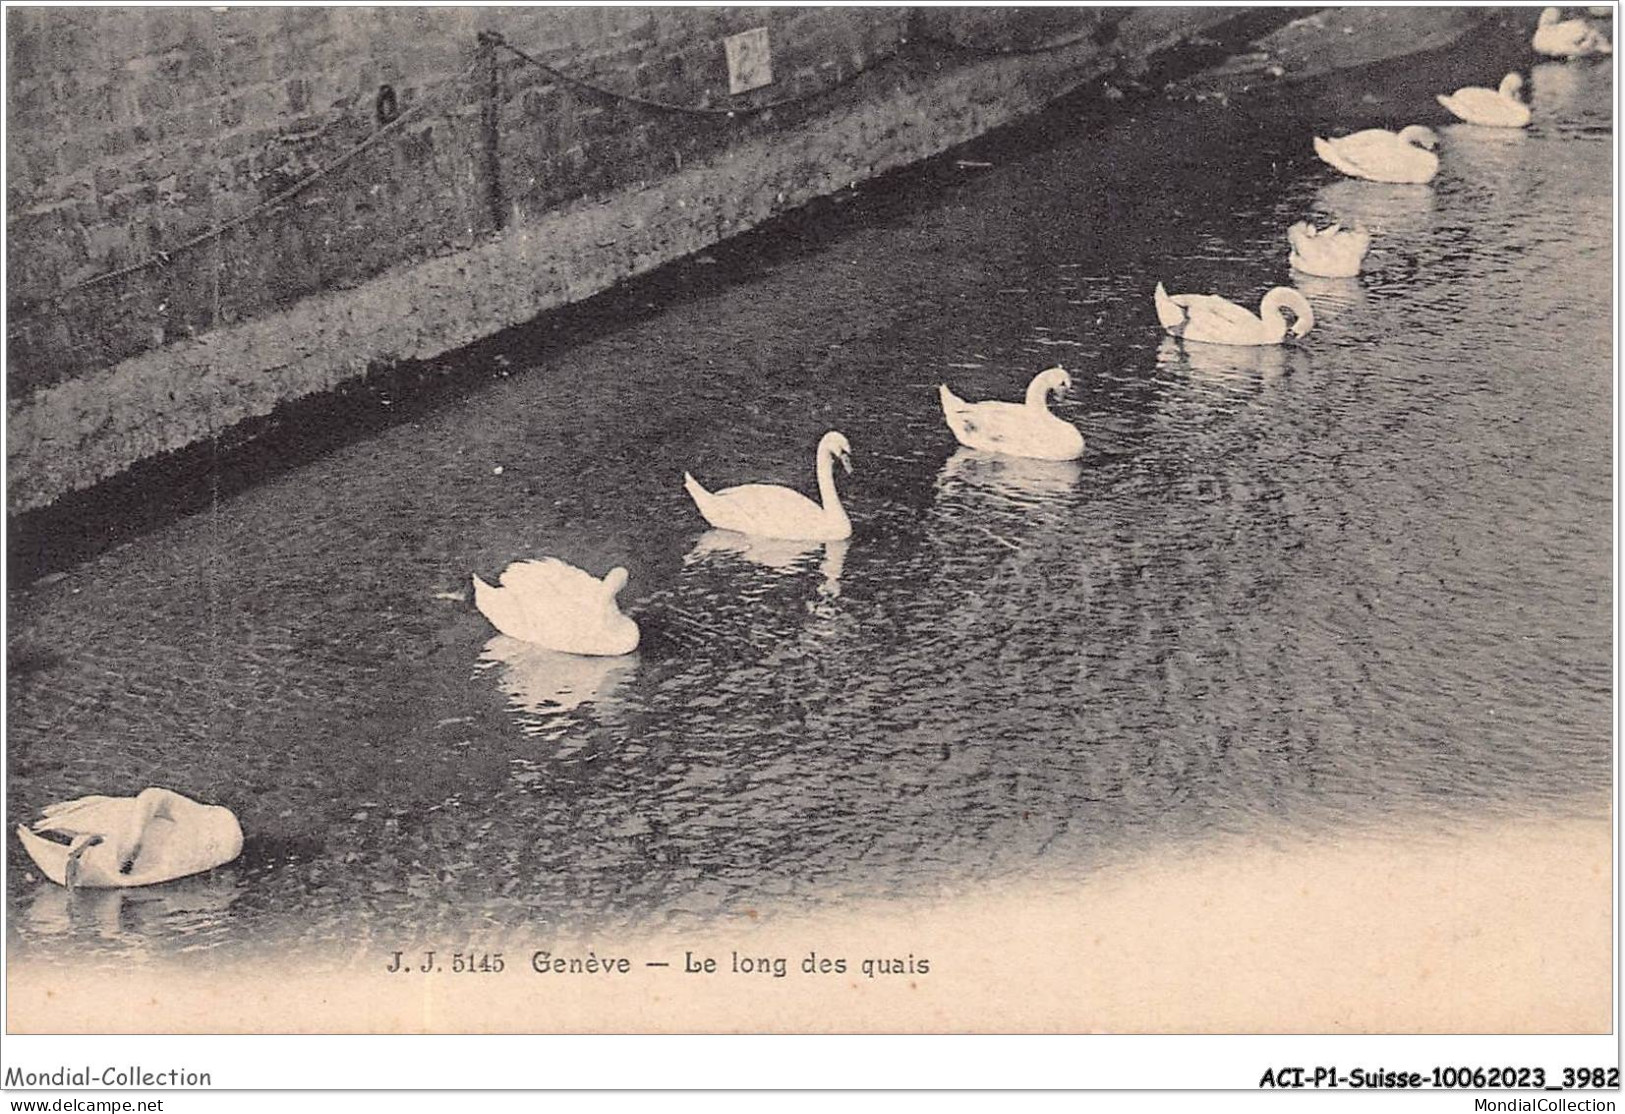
[
  {"x": 1016, "y": 429},
  {"x": 1330, "y": 252},
  {"x": 1491, "y": 108},
  {"x": 1383, "y": 156},
  {"x": 556, "y": 605},
  {"x": 155, "y": 836},
  {"x": 772, "y": 511},
  {"x": 1206, "y": 317},
  {"x": 1568, "y": 38}
]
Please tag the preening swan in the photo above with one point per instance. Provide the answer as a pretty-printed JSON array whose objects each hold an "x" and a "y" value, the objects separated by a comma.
[
  {"x": 155, "y": 836},
  {"x": 1383, "y": 156},
  {"x": 772, "y": 511},
  {"x": 556, "y": 605},
  {"x": 1205, "y": 317},
  {"x": 1016, "y": 429},
  {"x": 1330, "y": 252},
  {"x": 1568, "y": 38},
  {"x": 1491, "y": 108}
]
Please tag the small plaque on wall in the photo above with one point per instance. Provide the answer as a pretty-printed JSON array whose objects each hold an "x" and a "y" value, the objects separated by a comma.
[{"x": 750, "y": 60}]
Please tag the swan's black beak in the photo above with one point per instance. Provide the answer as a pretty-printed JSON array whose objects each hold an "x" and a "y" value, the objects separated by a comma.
[{"x": 846, "y": 462}]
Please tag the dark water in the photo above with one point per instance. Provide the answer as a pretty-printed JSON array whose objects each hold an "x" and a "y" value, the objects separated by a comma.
[{"x": 1362, "y": 580}]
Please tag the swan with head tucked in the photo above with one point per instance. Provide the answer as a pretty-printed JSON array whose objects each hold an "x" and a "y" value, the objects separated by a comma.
[
  {"x": 1490, "y": 108},
  {"x": 1383, "y": 156},
  {"x": 1209, "y": 318},
  {"x": 1016, "y": 429},
  {"x": 156, "y": 836},
  {"x": 773, "y": 511},
  {"x": 1328, "y": 252},
  {"x": 1568, "y": 38},
  {"x": 553, "y": 604}
]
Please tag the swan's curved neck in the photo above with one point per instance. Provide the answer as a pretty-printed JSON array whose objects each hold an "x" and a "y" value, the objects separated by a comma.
[
  {"x": 148, "y": 805},
  {"x": 1038, "y": 394},
  {"x": 827, "y": 495},
  {"x": 1272, "y": 314}
]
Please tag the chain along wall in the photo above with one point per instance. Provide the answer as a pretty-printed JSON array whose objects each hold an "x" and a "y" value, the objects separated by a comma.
[{"x": 212, "y": 211}]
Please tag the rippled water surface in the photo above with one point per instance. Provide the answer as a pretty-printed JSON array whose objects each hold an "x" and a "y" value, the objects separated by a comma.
[{"x": 1362, "y": 579}]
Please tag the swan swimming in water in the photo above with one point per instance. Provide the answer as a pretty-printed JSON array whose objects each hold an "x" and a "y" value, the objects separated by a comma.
[
  {"x": 1568, "y": 38},
  {"x": 156, "y": 836},
  {"x": 1016, "y": 429},
  {"x": 774, "y": 511},
  {"x": 1383, "y": 156},
  {"x": 553, "y": 604},
  {"x": 1490, "y": 108},
  {"x": 1330, "y": 253},
  {"x": 1214, "y": 320}
]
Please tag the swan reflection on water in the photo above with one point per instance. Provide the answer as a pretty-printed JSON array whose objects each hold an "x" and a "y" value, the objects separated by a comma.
[
  {"x": 1221, "y": 362},
  {"x": 1472, "y": 137},
  {"x": 1332, "y": 297},
  {"x": 1384, "y": 208},
  {"x": 185, "y": 907},
  {"x": 1022, "y": 478},
  {"x": 547, "y": 682},
  {"x": 1494, "y": 160},
  {"x": 778, "y": 554},
  {"x": 1555, "y": 87}
]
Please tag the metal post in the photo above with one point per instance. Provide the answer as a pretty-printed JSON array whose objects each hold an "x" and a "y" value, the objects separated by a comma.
[{"x": 491, "y": 128}]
